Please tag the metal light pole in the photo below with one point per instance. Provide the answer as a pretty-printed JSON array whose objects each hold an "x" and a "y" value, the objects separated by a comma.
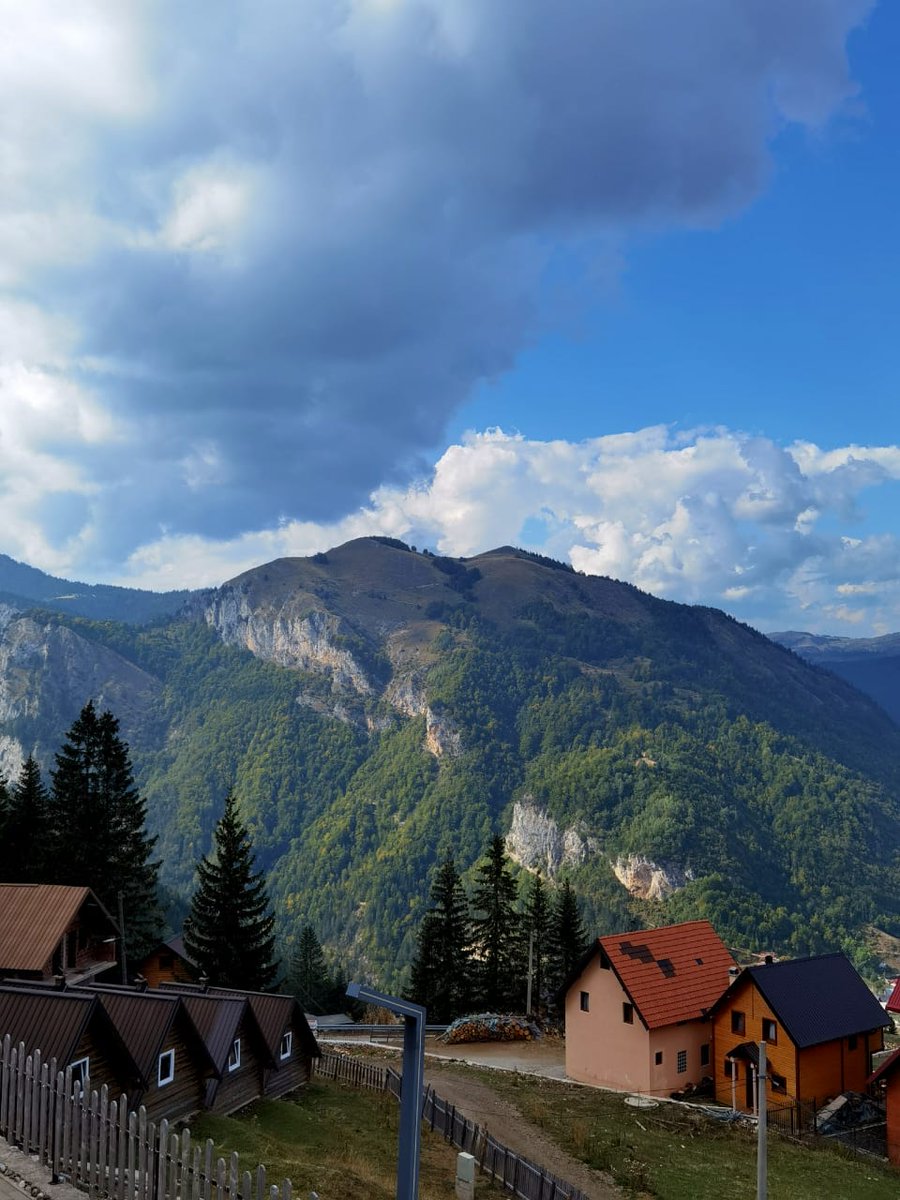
[
  {"x": 761, "y": 1131},
  {"x": 413, "y": 1079}
]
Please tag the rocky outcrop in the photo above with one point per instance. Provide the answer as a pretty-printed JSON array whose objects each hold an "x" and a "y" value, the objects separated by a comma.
[
  {"x": 310, "y": 639},
  {"x": 649, "y": 880},
  {"x": 442, "y": 738},
  {"x": 536, "y": 842}
]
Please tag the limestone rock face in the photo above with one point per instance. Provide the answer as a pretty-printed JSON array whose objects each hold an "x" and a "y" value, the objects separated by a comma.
[
  {"x": 536, "y": 842},
  {"x": 442, "y": 738},
  {"x": 311, "y": 640},
  {"x": 649, "y": 880}
]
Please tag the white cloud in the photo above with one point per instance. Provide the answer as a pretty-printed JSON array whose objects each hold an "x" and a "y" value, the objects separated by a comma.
[{"x": 713, "y": 517}]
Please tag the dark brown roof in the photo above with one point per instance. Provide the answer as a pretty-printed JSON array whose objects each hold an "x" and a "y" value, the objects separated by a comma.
[
  {"x": 216, "y": 1019},
  {"x": 673, "y": 973},
  {"x": 275, "y": 1013},
  {"x": 143, "y": 1022},
  {"x": 54, "y": 1022},
  {"x": 33, "y": 919}
]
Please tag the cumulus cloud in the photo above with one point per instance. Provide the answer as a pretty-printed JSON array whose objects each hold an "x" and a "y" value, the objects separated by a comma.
[
  {"x": 712, "y": 517},
  {"x": 267, "y": 248}
]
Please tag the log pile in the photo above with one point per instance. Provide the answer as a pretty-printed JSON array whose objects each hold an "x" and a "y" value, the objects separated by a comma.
[{"x": 491, "y": 1027}]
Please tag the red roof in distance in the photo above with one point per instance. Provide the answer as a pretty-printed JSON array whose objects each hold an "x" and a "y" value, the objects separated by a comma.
[
  {"x": 674, "y": 973},
  {"x": 893, "y": 1004}
]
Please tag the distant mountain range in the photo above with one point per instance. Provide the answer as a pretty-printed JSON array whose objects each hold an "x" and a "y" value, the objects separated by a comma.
[
  {"x": 870, "y": 664},
  {"x": 376, "y": 709}
]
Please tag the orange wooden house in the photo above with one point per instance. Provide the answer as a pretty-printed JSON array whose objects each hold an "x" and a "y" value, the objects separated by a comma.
[
  {"x": 820, "y": 1023},
  {"x": 635, "y": 1008},
  {"x": 887, "y": 1080},
  {"x": 168, "y": 963}
]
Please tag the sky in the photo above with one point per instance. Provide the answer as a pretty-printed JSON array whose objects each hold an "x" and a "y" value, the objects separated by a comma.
[{"x": 613, "y": 281}]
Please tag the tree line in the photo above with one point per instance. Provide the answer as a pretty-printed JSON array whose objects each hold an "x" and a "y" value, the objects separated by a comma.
[{"x": 477, "y": 953}]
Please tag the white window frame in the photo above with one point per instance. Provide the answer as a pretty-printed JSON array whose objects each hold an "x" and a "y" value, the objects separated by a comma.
[
  {"x": 287, "y": 1044},
  {"x": 83, "y": 1068},
  {"x": 165, "y": 1076},
  {"x": 234, "y": 1057}
]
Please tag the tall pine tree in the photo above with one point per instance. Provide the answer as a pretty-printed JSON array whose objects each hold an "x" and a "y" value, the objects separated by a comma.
[
  {"x": 496, "y": 933},
  {"x": 26, "y": 831},
  {"x": 228, "y": 932},
  {"x": 309, "y": 978},
  {"x": 568, "y": 941},
  {"x": 440, "y": 978},
  {"x": 97, "y": 820},
  {"x": 537, "y": 929}
]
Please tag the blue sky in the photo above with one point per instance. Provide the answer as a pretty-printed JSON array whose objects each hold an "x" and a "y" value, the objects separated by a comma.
[{"x": 617, "y": 282}]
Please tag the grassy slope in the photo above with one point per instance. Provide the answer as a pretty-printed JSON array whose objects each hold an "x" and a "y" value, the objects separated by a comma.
[
  {"x": 335, "y": 1140},
  {"x": 672, "y": 1154}
]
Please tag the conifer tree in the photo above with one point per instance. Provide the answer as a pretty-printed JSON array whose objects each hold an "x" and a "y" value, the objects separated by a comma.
[
  {"x": 537, "y": 929},
  {"x": 97, "y": 822},
  {"x": 228, "y": 932},
  {"x": 568, "y": 941},
  {"x": 496, "y": 933},
  {"x": 26, "y": 829},
  {"x": 440, "y": 978},
  {"x": 309, "y": 978}
]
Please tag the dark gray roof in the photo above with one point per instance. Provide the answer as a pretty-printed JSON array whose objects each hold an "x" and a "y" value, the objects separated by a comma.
[{"x": 818, "y": 999}]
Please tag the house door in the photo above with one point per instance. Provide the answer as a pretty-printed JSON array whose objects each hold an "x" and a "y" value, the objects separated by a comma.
[{"x": 750, "y": 1079}]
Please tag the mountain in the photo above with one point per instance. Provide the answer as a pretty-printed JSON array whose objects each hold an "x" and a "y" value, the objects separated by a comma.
[
  {"x": 376, "y": 709},
  {"x": 870, "y": 664},
  {"x": 24, "y": 587}
]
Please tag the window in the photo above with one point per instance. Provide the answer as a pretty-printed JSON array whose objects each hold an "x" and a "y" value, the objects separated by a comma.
[
  {"x": 682, "y": 1061},
  {"x": 234, "y": 1058},
  {"x": 704, "y": 1055},
  {"x": 778, "y": 1082},
  {"x": 729, "y": 1068},
  {"x": 738, "y": 1022},
  {"x": 628, "y": 1013},
  {"x": 81, "y": 1071},
  {"x": 852, "y": 1041},
  {"x": 604, "y": 960},
  {"x": 658, "y": 1058},
  {"x": 585, "y": 1002},
  {"x": 165, "y": 1069},
  {"x": 287, "y": 1043},
  {"x": 769, "y": 1030}
]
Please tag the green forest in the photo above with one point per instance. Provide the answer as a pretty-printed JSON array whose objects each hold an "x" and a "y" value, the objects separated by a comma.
[{"x": 663, "y": 731}]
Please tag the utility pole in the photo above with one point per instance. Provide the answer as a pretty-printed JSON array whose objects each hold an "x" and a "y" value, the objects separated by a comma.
[
  {"x": 530, "y": 966},
  {"x": 121, "y": 898},
  {"x": 761, "y": 1131}
]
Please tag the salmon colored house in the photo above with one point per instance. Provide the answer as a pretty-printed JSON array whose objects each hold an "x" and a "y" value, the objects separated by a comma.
[
  {"x": 635, "y": 1010},
  {"x": 820, "y": 1023}
]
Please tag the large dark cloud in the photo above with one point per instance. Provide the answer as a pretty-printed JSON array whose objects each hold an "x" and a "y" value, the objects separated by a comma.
[{"x": 321, "y": 224}]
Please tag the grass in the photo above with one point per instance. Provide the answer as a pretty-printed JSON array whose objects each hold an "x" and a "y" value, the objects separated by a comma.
[
  {"x": 672, "y": 1153},
  {"x": 336, "y": 1140}
]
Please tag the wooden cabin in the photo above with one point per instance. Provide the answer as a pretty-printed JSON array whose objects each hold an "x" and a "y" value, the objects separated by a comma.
[
  {"x": 50, "y": 931},
  {"x": 288, "y": 1039},
  {"x": 168, "y": 963},
  {"x": 73, "y": 1029},
  {"x": 820, "y": 1022},
  {"x": 636, "y": 1005},
  {"x": 235, "y": 1046},
  {"x": 171, "y": 1056}
]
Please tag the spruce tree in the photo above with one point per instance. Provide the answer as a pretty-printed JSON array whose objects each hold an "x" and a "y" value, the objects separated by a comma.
[
  {"x": 440, "y": 978},
  {"x": 26, "y": 828},
  {"x": 537, "y": 929},
  {"x": 309, "y": 978},
  {"x": 568, "y": 941},
  {"x": 228, "y": 932},
  {"x": 97, "y": 821},
  {"x": 496, "y": 933}
]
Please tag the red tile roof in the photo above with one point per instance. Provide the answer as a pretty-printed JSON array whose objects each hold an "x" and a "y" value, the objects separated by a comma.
[
  {"x": 893, "y": 1005},
  {"x": 887, "y": 1067},
  {"x": 673, "y": 973}
]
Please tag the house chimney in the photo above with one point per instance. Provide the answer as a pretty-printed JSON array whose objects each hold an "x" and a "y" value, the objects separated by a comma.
[
  {"x": 59, "y": 982},
  {"x": 768, "y": 960},
  {"x": 734, "y": 972}
]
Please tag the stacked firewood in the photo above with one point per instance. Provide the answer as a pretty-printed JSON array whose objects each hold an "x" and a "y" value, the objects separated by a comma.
[{"x": 491, "y": 1027}]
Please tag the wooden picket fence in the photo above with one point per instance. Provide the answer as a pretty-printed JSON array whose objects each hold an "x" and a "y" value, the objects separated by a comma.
[
  {"x": 514, "y": 1172},
  {"x": 97, "y": 1144}
]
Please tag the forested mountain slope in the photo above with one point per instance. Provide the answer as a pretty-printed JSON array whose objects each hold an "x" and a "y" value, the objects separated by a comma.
[{"x": 376, "y": 708}]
